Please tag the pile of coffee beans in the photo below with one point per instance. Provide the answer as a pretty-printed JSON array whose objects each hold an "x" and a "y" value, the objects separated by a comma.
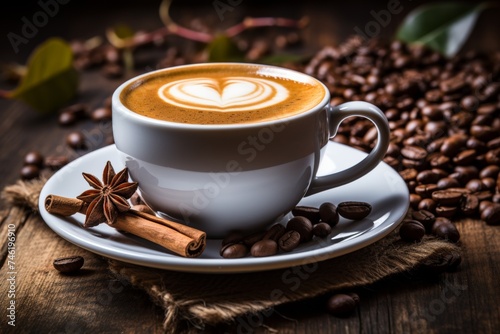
[
  {"x": 34, "y": 162},
  {"x": 443, "y": 115},
  {"x": 422, "y": 222},
  {"x": 307, "y": 223}
]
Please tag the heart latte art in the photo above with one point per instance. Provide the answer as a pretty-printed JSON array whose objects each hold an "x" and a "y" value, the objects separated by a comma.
[
  {"x": 222, "y": 93},
  {"x": 225, "y": 94}
]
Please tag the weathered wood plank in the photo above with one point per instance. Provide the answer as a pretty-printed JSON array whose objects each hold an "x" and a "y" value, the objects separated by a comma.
[{"x": 91, "y": 301}]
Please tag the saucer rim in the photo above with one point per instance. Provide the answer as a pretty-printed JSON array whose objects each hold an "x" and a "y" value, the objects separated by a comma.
[{"x": 83, "y": 239}]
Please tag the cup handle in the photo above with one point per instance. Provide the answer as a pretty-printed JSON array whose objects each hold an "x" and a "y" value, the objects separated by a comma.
[{"x": 335, "y": 116}]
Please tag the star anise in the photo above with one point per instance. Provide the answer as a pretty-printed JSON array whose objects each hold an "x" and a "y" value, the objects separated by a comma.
[{"x": 107, "y": 198}]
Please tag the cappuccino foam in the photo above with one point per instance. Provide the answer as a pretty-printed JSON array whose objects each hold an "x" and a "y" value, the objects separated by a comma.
[{"x": 222, "y": 94}]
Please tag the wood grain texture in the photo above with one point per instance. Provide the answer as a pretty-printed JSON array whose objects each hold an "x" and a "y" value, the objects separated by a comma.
[
  {"x": 465, "y": 301},
  {"x": 50, "y": 302}
]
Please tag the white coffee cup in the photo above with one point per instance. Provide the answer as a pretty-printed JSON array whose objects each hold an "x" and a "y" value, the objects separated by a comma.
[{"x": 221, "y": 178}]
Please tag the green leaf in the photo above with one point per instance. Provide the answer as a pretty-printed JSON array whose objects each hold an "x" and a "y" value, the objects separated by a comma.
[
  {"x": 123, "y": 31},
  {"x": 119, "y": 35},
  {"x": 222, "y": 48},
  {"x": 443, "y": 27},
  {"x": 51, "y": 80}
]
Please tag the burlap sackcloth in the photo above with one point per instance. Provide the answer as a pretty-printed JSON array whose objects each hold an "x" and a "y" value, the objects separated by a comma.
[{"x": 208, "y": 299}]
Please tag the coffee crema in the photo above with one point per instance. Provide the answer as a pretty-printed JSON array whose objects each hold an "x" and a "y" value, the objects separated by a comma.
[{"x": 222, "y": 93}]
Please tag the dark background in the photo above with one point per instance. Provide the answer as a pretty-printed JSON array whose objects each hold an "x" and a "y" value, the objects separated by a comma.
[{"x": 84, "y": 19}]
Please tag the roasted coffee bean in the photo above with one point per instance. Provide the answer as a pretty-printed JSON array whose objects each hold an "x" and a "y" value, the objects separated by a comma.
[
  {"x": 452, "y": 145},
  {"x": 483, "y": 132},
  {"x": 393, "y": 150},
  {"x": 425, "y": 217},
  {"x": 34, "y": 158},
  {"x": 75, "y": 140},
  {"x": 417, "y": 140},
  {"x": 71, "y": 114},
  {"x": 476, "y": 144},
  {"x": 427, "y": 176},
  {"x": 463, "y": 191},
  {"x": 489, "y": 171},
  {"x": 101, "y": 114},
  {"x": 263, "y": 248},
  {"x": 427, "y": 204},
  {"x": 309, "y": 212},
  {"x": 484, "y": 204},
  {"x": 417, "y": 164},
  {"x": 29, "y": 172},
  {"x": 494, "y": 143},
  {"x": 446, "y": 211},
  {"x": 56, "y": 161},
  {"x": 354, "y": 210},
  {"x": 474, "y": 185},
  {"x": 435, "y": 145},
  {"x": 448, "y": 182},
  {"x": 496, "y": 198},
  {"x": 67, "y": 118},
  {"x": 446, "y": 231},
  {"x": 491, "y": 214},
  {"x": 469, "y": 204},
  {"x": 463, "y": 174},
  {"x": 341, "y": 305},
  {"x": 328, "y": 213},
  {"x": 446, "y": 197},
  {"x": 289, "y": 241},
  {"x": 414, "y": 152},
  {"x": 487, "y": 109},
  {"x": 78, "y": 109},
  {"x": 68, "y": 265},
  {"x": 302, "y": 225},
  {"x": 411, "y": 230},
  {"x": 234, "y": 251},
  {"x": 274, "y": 233},
  {"x": 251, "y": 239},
  {"x": 439, "y": 161},
  {"x": 470, "y": 103},
  {"x": 321, "y": 230},
  {"x": 408, "y": 174},
  {"x": 414, "y": 201},
  {"x": 465, "y": 157},
  {"x": 432, "y": 112},
  {"x": 484, "y": 195},
  {"x": 426, "y": 190},
  {"x": 493, "y": 156},
  {"x": 488, "y": 183},
  {"x": 482, "y": 120}
]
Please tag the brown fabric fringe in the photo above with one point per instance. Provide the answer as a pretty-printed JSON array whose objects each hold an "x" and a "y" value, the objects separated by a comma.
[{"x": 208, "y": 299}]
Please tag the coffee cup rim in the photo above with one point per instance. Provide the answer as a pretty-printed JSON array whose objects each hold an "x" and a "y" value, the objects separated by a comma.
[{"x": 117, "y": 105}]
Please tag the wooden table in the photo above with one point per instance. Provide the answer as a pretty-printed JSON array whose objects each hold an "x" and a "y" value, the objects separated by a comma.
[{"x": 462, "y": 302}]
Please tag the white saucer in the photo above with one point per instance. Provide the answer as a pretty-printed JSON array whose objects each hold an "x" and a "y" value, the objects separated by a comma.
[{"x": 382, "y": 187}]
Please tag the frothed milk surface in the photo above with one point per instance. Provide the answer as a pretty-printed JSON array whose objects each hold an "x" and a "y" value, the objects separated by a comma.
[{"x": 222, "y": 94}]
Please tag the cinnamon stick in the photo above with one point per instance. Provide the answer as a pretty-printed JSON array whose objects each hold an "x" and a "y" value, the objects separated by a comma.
[
  {"x": 64, "y": 206},
  {"x": 178, "y": 238}
]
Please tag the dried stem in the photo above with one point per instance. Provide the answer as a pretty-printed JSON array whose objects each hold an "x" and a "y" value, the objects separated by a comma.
[
  {"x": 172, "y": 28},
  {"x": 255, "y": 22},
  {"x": 150, "y": 37}
]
